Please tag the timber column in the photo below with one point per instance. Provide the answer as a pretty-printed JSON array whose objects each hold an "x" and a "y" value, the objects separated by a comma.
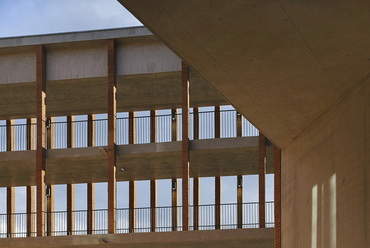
[
  {"x": 261, "y": 179},
  {"x": 30, "y": 205},
  {"x": 111, "y": 136},
  {"x": 40, "y": 152},
  {"x": 277, "y": 197},
  {"x": 185, "y": 146}
]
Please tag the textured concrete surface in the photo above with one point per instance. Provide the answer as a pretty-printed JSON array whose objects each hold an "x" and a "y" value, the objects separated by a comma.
[{"x": 246, "y": 238}]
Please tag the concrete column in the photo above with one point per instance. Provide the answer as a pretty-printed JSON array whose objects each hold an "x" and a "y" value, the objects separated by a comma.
[
  {"x": 217, "y": 202},
  {"x": 10, "y": 206},
  {"x": 277, "y": 197},
  {"x": 261, "y": 179},
  {"x": 175, "y": 202},
  {"x": 91, "y": 130},
  {"x": 112, "y": 111},
  {"x": 240, "y": 200},
  {"x": 40, "y": 152},
  {"x": 217, "y": 122},
  {"x": 153, "y": 205},
  {"x": 174, "y": 125},
  {"x": 132, "y": 206},
  {"x": 185, "y": 147},
  {"x": 30, "y": 211},
  {"x": 90, "y": 208},
  {"x": 90, "y": 186},
  {"x": 70, "y": 209},
  {"x": 196, "y": 123},
  {"x": 31, "y": 145},
  {"x": 196, "y": 198},
  {"x": 50, "y": 201},
  {"x": 10, "y": 146}
]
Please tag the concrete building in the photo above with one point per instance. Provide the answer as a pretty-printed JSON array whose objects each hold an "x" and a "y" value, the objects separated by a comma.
[
  {"x": 299, "y": 71},
  {"x": 49, "y": 81}
]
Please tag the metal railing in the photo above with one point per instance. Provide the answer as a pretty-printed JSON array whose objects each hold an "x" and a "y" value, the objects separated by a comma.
[
  {"x": 164, "y": 128},
  {"x": 164, "y": 221}
]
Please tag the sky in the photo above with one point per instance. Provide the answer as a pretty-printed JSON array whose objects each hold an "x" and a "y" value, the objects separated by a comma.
[{"x": 31, "y": 17}]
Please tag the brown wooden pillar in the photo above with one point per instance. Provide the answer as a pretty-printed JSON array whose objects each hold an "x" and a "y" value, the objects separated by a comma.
[
  {"x": 70, "y": 132},
  {"x": 10, "y": 146},
  {"x": 50, "y": 201},
  {"x": 50, "y": 133},
  {"x": 10, "y": 205},
  {"x": 30, "y": 211},
  {"x": 196, "y": 123},
  {"x": 196, "y": 198},
  {"x": 239, "y": 125},
  {"x": 153, "y": 183},
  {"x": 30, "y": 190},
  {"x": 70, "y": 187},
  {"x": 185, "y": 147},
  {"x": 40, "y": 152},
  {"x": 239, "y": 201},
  {"x": 91, "y": 186},
  {"x": 112, "y": 111},
  {"x": 217, "y": 122},
  {"x": 175, "y": 202},
  {"x": 277, "y": 197},
  {"x": 132, "y": 184},
  {"x": 217, "y": 202},
  {"x": 261, "y": 179},
  {"x": 174, "y": 125}
]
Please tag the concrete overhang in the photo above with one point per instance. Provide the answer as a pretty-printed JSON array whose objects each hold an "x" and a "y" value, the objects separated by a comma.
[
  {"x": 246, "y": 238},
  {"x": 282, "y": 64},
  {"x": 208, "y": 158}
]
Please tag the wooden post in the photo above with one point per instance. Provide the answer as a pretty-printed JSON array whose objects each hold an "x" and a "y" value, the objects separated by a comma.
[
  {"x": 217, "y": 202},
  {"x": 50, "y": 200},
  {"x": 185, "y": 147},
  {"x": 132, "y": 206},
  {"x": 91, "y": 186},
  {"x": 217, "y": 122},
  {"x": 10, "y": 146},
  {"x": 261, "y": 179},
  {"x": 277, "y": 197},
  {"x": 91, "y": 130},
  {"x": 196, "y": 199},
  {"x": 196, "y": 123},
  {"x": 175, "y": 203},
  {"x": 240, "y": 200},
  {"x": 153, "y": 183},
  {"x": 174, "y": 132},
  {"x": 40, "y": 152},
  {"x": 112, "y": 112},
  {"x": 239, "y": 125},
  {"x": 70, "y": 132},
  {"x": 50, "y": 132},
  {"x": 30, "y": 211},
  {"x": 31, "y": 145},
  {"x": 70, "y": 209}
]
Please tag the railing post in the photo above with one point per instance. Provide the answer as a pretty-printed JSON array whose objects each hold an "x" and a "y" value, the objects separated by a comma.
[
  {"x": 30, "y": 210},
  {"x": 217, "y": 202},
  {"x": 196, "y": 199},
  {"x": 277, "y": 197},
  {"x": 132, "y": 206},
  {"x": 70, "y": 132},
  {"x": 261, "y": 179},
  {"x": 90, "y": 186},
  {"x": 174, "y": 125},
  {"x": 240, "y": 201},
  {"x": 112, "y": 113},
  {"x": 174, "y": 199},
  {"x": 40, "y": 152},
  {"x": 217, "y": 122},
  {"x": 153, "y": 205},
  {"x": 10, "y": 146},
  {"x": 70, "y": 209},
  {"x": 50, "y": 200}
]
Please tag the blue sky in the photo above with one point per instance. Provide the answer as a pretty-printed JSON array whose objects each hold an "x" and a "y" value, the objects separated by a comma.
[{"x": 30, "y": 17}]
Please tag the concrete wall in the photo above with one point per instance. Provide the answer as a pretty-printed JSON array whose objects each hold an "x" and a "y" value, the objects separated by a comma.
[
  {"x": 326, "y": 177},
  {"x": 17, "y": 68}
]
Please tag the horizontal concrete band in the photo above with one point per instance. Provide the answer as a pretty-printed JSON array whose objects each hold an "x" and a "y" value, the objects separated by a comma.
[{"x": 208, "y": 158}]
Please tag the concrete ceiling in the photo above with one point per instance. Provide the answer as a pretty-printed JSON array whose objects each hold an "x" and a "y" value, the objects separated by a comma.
[{"x": 281, "y": 63}]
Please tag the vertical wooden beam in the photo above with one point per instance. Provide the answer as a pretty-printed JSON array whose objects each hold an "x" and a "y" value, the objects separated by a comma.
[
  {"x": 217, "y": 202},
  {"x": 112, "y": 111},
  {"x": 261, "y": 179},
  {"x": 196, "y": 123},
  {"x": 50, "y": 201},
  {"x": 153, "y": 205},
  {"x": 153, "y": 183},
  {"x": 91, "y": 186},
  {"x": 277, "y": 197},
  {"x": 132, "y": 206},
  {"x": 175, "y": 202},
  {"x": 31, "y": 145},
  {"x": 196, "y": 198},
  {"x": 91, "y": 130},
  {"x": 239, "y": 125},
  {"x": 10, "y": 146},
  {"x": 30, "y": 211},
  {"x": 132, "y": 184},
  {"x": 174, "y": 125},
  {"x": 239, "y": 196},
  {"x": 185, "y": 147},
  {"x": 50, "y": 133},
  {"x": 217, "y": 122},
  {"x": 40, "y": 152},
  {"x": 10, "y": 205},
  {"x": 70, "y": 132},
  {"x": 70, "y": 209},
  {"x": 90, "y": 208}
]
